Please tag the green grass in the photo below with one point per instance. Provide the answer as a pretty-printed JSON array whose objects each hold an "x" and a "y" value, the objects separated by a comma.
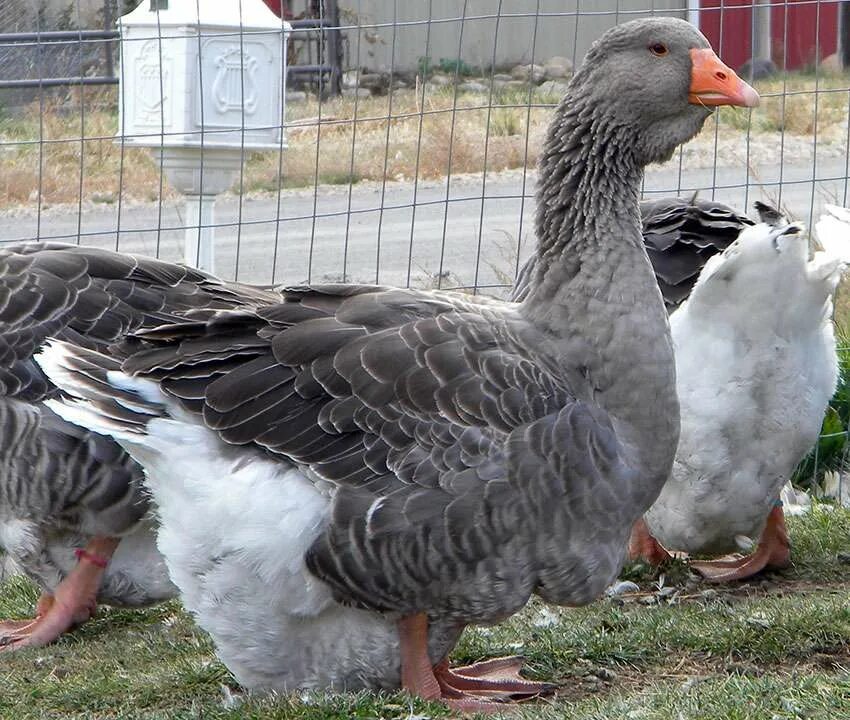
[
  {"x": 773, "y": 696},
  {"x": 831, "y": 450},
  {"x": 777, "y": 647}
]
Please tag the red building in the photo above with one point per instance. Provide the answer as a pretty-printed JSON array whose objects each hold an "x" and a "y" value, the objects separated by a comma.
[{"x": 801, "y": 31}]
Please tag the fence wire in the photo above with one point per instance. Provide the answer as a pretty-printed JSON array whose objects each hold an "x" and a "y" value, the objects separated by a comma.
[{"x": 421, "y": 170}]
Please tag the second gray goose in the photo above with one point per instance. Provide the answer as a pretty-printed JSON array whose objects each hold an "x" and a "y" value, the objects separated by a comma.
[{"x": 73, "y": 514}]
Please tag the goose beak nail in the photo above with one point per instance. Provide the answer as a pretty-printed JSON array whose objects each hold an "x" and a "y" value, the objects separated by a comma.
[{"x": 713, "y": 83}]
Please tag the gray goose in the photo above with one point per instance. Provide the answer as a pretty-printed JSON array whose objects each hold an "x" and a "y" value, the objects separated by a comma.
[
  {"x": 372, "y": 469},
  {"x": 73, "y": 514},
  {"x": 711, "y": 499}
]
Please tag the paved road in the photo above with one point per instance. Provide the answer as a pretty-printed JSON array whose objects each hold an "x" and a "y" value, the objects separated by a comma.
[{"x": 355, "y": 243}]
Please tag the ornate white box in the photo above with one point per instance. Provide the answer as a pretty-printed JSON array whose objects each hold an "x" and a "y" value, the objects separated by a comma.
[{"x": 202, "y": 73}]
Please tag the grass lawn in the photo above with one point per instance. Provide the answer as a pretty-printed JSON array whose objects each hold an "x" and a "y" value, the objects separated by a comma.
[{"x": 778, "y": 647}]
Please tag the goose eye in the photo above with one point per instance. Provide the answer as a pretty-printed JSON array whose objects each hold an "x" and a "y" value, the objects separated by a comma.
[{"x": 658, "y": 49}]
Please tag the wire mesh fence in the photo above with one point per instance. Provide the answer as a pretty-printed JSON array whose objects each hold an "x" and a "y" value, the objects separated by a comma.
[
  {"x": 407, "y": 136},
  {"x": 422, "y": 170}
]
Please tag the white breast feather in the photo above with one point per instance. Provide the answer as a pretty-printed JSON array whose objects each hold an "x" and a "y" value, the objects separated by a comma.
[{"x": 234, "y": 529}]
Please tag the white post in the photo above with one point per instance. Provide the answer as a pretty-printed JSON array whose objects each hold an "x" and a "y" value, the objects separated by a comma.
[
  {"x": 761, "y": 30},
  {"x": 693, "y": 14},
  {"x": 200, "y": 232},
  {"x": 200, "y": 176}
]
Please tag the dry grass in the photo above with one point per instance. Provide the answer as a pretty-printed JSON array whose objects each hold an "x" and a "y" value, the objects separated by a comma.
[
  {"x": 398, "y": 137},
  {"x": 68, "y": 135},
  {"x": 384, "y": 132},
  {"x": 799, "y": 105}
]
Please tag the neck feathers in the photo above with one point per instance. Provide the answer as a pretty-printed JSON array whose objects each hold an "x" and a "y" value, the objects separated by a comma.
[
  {"x": 593, "y": 290},
  {"x": 587, "y": 198}
]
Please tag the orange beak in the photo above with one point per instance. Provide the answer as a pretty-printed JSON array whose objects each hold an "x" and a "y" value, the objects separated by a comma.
[{"x": 713, "y": 83}]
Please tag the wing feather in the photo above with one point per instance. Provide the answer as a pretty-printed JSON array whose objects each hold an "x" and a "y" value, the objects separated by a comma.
[{"x": 414, "y": 407}]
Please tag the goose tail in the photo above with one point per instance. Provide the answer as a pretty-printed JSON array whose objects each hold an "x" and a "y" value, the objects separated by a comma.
[{"x": 96, "y": 394}]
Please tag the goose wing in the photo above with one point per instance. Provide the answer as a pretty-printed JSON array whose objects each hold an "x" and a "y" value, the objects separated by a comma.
[
  {"x": 457, "y": 454},
  {"x": 680, "y": 235},
  {"x": 92, "y": 298}
]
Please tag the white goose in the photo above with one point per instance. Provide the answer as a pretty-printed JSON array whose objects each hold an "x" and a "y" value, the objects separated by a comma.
[{"x": 756, "y": 366}]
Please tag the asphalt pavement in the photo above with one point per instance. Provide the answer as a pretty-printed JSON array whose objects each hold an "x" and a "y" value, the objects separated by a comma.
[{"x": 398, "y": 233}]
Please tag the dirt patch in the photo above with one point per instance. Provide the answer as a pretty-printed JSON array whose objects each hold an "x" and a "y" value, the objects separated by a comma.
[{"x": 689, "y": 669}]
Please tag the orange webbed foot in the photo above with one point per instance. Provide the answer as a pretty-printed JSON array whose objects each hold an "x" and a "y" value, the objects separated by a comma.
[
  {"x": 643, "y": 546},
  {"x": 773, "y": 552},
  {"x": 484, "y": 687}
]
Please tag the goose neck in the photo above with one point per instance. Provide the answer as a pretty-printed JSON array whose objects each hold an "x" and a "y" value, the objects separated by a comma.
[{"x": 594, "y": 292}]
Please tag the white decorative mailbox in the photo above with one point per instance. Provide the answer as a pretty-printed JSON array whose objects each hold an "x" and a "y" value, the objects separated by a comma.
[{"x": 202, "y": 80}]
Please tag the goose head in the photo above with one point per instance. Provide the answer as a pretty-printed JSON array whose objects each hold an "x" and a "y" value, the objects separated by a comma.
[{"x": 658, "y": 80}]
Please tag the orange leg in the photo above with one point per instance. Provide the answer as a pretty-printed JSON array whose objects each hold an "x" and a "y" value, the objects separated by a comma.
[
  {"x": 773, "y": 551},
  {"x": 73, "y": 602},
  {"x": 642, "y": 546},
  {"x": 482, "y": 687}
]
